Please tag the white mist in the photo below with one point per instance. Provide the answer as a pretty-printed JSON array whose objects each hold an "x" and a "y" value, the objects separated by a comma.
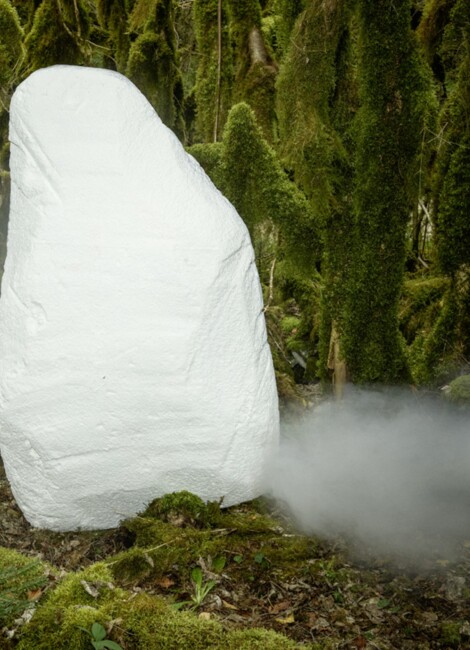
[{"x": 388, "y": 470}]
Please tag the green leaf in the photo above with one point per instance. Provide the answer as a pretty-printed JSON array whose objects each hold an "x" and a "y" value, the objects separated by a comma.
[
  {"x": 218, "y": 563},
  {"x": 238, "y": 559},
  {"x": 384, "y": 602},
  {"x": 196, "y": 575},
  {"x": 111, "y": 645},
  {"x": 180, "y": 605},
  {"x": 259, "y": 558},
  {"x": 98, "y": 632}
]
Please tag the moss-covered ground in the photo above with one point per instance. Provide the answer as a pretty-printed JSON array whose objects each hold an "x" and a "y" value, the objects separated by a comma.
[{"x": 183, "y": 574}]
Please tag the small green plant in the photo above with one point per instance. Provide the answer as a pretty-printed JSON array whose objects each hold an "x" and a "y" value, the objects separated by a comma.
[
  {"x": 201, "y": 590},
  {"x": 98, "y": 638},
  {"x": 261, "y": 559}
]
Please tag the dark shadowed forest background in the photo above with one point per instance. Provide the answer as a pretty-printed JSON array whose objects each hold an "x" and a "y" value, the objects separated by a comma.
[{"x": 340, "y": 130}]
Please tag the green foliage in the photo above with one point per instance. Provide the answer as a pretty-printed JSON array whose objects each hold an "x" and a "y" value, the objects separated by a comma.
[
  {"x": 58, "y": 35},
  {"x": 98, "y": 638},
  {"x": 202, "y": 589}
]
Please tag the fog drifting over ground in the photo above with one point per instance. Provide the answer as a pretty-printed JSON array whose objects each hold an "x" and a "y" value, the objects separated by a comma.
[{"x": 389, "y": 470}]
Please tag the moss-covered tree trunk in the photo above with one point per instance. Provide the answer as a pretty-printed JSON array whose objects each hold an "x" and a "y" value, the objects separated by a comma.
[
  {"x": 153, "y": 59},
  {"x": 316, "y": 104},
  {"x": 59, "y": 34},
  {"x": 394, "y": 92},
  {"x": 112, "y": 15},
  {"x": 214, "y": 75},
  {"x": 255, "y": 70},
  {"x": 11, "y": 58}
]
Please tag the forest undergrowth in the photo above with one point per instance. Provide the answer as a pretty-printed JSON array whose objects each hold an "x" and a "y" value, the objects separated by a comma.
[{"x": 242, "y": 568}]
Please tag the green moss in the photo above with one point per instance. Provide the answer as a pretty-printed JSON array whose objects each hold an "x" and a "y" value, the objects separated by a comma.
[
  {"x": 420, "y": 305},
  {"x": 396, "y": 104},
  {"x": 317, "y": 100},
  {"x": 450, "y": 634},
  {"x": 287, "y": 12},
  {"x": 289, "y": 323},
  {"x": 18, "y": 576},
  {"x": 58, "y": 35},
  {"x": 153, "y": 62},
  {"x": 213, "y": 92},
  {"x": 184, "y": 507},
  {"x": 459, "y": 390},
  {"x": 11, "y": 46},
  {"x": 432, "y": 355},
  {"x": 134, "y": 566},
  {"x": 454, "y": 208},
  {"x": 26, "y": 9},
  {"x": 56, "y": 621},
  {"x": 254, "y": 69},
  {"x": 260, "y": 189},
  {"x": 168, "y": 543},
  {"x": 209, "y": 156},
  {"x": 139, "y": 622},
  {"x": 112, "y": 15}
]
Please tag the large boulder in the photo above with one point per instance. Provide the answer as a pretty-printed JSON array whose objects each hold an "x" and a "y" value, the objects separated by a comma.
[{"x": 133, "y": 350}]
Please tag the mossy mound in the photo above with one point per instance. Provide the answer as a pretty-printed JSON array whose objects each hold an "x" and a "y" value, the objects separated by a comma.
[
  {"x": 137, "y": 622},
  {"x": 459, "y": 390},
  {"x": 179, "y": 531},
  {"x": 182, "y": 508}
]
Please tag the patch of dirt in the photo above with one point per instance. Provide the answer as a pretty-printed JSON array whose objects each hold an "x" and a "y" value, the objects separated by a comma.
[{"x": 329, "y": 598}]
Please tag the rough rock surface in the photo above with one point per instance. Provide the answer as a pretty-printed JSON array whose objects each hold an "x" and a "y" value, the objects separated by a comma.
[{"x": 133, "y": 347}]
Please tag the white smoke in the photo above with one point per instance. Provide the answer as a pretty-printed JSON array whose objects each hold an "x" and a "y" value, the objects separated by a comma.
[{"x": 388, "y": 470}]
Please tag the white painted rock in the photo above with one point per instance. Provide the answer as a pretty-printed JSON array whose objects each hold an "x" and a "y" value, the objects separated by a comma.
[{"x": 133, "y": 350}]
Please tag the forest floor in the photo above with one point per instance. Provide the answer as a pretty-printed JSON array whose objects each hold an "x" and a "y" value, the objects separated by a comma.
[{"x": 315, "y": 591}]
